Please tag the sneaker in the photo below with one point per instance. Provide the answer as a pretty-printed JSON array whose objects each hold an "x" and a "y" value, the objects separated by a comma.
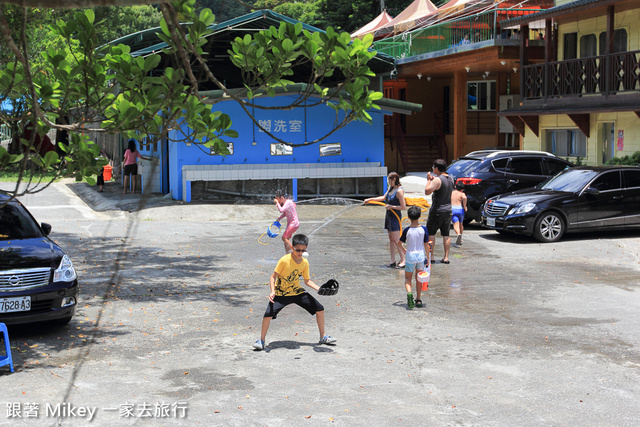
[
  {"x": 418, "y": 303},
  {"x": 327, "y": 339},
  {"x": 259, "y": 345},
  {"x": 459, "y": 240},
  {"x": 410, "y": 302}
]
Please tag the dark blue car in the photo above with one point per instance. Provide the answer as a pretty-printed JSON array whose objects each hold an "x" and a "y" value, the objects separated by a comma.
[{"x": 37, "y": 279}]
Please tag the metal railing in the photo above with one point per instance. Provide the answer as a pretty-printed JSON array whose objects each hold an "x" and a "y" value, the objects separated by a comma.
[
  {"x": 438, "y": 36},
  {"x": 583, "y": 76}
]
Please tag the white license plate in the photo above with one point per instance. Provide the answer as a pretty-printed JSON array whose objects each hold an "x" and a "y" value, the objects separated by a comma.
[
  {"x": 8, "y": 305},
  {"x": 491, "y": 222}
]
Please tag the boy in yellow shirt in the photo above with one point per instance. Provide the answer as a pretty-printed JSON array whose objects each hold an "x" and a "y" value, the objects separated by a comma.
[{"x": 286, "y": 289}]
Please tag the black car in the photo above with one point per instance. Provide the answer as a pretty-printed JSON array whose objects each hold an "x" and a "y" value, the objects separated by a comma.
[
  {"x": 37, "y": 279},
  {"x": 491, "y": 172},
  {"x": 579, "y": 199}
]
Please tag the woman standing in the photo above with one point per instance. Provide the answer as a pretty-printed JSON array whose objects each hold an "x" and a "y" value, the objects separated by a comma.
[
  {"x": 130, "y": 164},
  {"x": 395, "y": 204}
]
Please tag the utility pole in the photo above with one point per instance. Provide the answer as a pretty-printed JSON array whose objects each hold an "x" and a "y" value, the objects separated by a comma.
[{"x": 381, "y": 6}]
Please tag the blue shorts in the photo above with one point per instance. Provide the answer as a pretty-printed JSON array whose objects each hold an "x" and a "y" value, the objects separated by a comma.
[
  {"x": 411, "y": 267},
  {"x": 458, "y": 213}
]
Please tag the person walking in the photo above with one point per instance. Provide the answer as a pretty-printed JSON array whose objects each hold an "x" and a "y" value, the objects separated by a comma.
[
  {"x": 130, "y": 165},
  {"x": 395, "y": 204},
  {"x": 417, "y": 239},
  {"x": 458, "y": 209},
  {"x": 440, "y": 184}
]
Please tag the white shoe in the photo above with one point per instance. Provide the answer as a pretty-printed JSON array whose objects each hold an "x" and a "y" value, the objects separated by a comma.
[
  {"x": 259, "y": 345},
  {"x": 459, "y": 240},
  {"x": 327, "y": 339}
]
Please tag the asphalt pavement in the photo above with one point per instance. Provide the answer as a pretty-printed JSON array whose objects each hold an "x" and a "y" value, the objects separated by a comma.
[{"x": 513, "y": 332}]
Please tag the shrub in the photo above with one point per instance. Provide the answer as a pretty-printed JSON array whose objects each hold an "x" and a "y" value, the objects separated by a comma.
[{"x": 632, "y": 160}]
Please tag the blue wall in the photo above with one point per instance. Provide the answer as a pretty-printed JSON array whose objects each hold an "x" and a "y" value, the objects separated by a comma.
[{"x": 360, "y": 142}]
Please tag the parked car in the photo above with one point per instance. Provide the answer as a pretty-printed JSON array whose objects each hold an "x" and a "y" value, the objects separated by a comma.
[
  {"x": 491, "y": 172},
  {"x": 37, "y": 279},
  {"x": 582, "y": 198}
]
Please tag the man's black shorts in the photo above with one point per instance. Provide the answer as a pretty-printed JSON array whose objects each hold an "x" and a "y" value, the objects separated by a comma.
[
  {"x": 439, "y": 221},
  {"x": 304, "y": 300}
]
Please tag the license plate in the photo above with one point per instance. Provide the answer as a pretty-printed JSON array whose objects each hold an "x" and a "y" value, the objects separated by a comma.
[
  {"x": 8, "y": 305},
  {"x": 491, "y": 222}
]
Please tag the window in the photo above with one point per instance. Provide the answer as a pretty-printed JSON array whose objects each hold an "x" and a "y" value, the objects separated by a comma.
[
  {"x": 588, "y": 46},
  {"x": 279, "y": 149},
  {"x": 525, "y": 166},
  {"x": 501, "y": 164},
  {"x": 570, "y": 46},
  {"x": 481, "y": 96},
  {"x": 330, "y": 149},
  {"x": 607, "y": 181},
  {"x": 631, "y": 179},
  {"x": 566, "y": 142},
  {"x": 554, "y": 166},
  {"x": 619, "y": 41}
]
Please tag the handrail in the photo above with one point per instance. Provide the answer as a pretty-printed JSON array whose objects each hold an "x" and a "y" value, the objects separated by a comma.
[
  {"x": 582, "y": 76},
  {"x": 442, "y": 35}
]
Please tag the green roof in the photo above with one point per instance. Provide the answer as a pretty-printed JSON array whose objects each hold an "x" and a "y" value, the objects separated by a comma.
[{"x": 387, "y": 104}]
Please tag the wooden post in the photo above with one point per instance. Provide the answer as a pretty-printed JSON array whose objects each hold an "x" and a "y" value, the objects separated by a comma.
[{"x": 459, "y": 112}]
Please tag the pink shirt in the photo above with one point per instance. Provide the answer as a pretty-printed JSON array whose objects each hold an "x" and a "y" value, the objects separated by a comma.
[
  {"x": 131, "y": 158},
  {"x": 289, "y": 210}
]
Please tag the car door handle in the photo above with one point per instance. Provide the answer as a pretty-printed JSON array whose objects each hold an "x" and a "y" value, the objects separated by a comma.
[
  {"x": 618, "y": 197},
  {"x": 513, "y": 181}
]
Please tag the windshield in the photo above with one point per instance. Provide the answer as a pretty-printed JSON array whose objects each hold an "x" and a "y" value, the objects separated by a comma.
[
  {"x": 464, "y": 167},
  {"x": 571, "y": 180},
  {"x": 16, "y": 223}
]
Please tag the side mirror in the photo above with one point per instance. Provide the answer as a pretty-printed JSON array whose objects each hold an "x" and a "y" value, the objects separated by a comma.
[
  {"x": 593, "y": 191},
  {"x": 46, "y": 228}
]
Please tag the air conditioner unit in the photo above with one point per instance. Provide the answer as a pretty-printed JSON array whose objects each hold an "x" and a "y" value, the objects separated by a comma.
[{"x": 507, "y": 102}]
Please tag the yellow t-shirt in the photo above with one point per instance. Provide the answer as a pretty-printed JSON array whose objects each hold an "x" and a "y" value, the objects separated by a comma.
[{"x": 289, "y": 273}]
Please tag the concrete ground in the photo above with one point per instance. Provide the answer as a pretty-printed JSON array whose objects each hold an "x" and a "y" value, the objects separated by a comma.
[{"x": 513, "y": 332}]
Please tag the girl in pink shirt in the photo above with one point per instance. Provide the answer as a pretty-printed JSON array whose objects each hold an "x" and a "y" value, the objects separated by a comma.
[
  {"x": 130, "y": 164},
  {"x": 288, "y": 209}
]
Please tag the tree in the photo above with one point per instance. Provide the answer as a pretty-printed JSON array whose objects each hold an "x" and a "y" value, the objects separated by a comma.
[{"x": 87, "y": 83}]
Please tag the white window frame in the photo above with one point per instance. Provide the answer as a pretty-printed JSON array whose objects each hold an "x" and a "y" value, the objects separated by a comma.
[
  {"x": 491, "y": 97},
  {"x": 572, "y": 144}
]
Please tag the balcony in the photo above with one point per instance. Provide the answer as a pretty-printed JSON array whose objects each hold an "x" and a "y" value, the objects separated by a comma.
[
  {"x": 617, "y": 73},
  {"x": 465, "y": 33}
]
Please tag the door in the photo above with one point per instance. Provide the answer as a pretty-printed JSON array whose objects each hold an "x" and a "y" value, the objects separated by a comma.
[
  {"x": 631, "y": 182},
  {"x": 603, "y": 208},
  {"x": 524, "y": 172},
  {"x": 607, "y": 137}
]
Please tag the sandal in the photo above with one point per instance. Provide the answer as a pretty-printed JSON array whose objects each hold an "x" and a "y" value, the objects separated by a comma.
[
  {"x": 392, "y": 265},
  {"x": 401, "y": 265},
  {"x": 442, "y": 261},
  {"x": 418, "y": 303}
]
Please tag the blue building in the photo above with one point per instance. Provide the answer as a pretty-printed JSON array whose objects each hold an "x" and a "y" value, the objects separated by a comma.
[{"x": 348, "y": 163}]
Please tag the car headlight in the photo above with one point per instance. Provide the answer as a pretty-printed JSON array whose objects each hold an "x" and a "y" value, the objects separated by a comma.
[
  {"x": 522, "y": 209},
  {"x": 65, "y": 272}
]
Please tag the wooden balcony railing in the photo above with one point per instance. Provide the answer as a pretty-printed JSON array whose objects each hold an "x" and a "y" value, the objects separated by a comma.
[{"x": 596, "y": 75}]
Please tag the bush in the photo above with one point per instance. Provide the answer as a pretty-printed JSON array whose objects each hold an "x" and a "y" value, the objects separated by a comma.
[{"x": 632, "y": 160}]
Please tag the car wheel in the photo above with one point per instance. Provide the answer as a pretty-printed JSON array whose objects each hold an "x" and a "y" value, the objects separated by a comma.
[{"x": 549, "y": 228}]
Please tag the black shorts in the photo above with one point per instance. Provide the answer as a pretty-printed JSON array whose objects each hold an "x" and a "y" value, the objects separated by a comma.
[
  {"x": 101, "y": 178},
  {"x": 131, "y": 169},
  {"x": 439, "y": 221},
  {"x": 304, "y": 300}
]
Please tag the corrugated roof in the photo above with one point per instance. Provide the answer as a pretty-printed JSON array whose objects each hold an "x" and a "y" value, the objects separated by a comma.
[{"x": 147, "y": 42}]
